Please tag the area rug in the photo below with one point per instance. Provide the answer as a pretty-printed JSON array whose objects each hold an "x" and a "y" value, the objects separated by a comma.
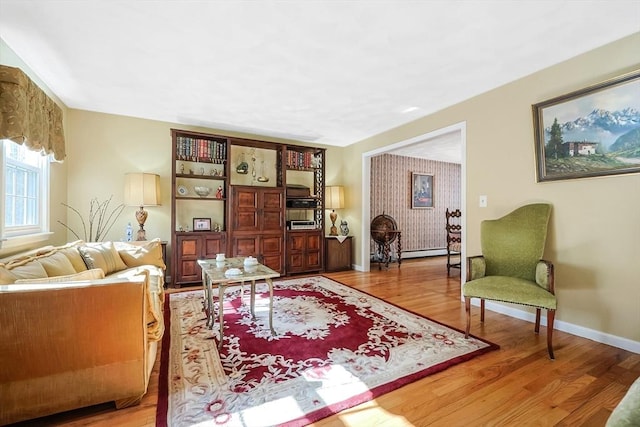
[{"x": 335, "y": 347}]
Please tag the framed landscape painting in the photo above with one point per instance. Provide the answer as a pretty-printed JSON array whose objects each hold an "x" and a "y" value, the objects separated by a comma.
[
  {"x": 591, "y": 132},
  {"x": 421, "y": 191}
]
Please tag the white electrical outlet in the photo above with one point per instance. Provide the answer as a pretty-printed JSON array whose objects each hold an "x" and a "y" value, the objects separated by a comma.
[{"x": 483, "y": 201}]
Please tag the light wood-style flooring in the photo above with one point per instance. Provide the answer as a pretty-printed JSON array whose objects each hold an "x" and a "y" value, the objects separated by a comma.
[{"x": 515, "y": 386}]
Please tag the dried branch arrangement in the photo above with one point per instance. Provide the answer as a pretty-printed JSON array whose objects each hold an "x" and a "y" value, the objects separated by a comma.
[{"x": 101, "y": 219}]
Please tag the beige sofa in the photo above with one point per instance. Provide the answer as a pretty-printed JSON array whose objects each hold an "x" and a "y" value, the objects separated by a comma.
[{"x": 80, "y": 325}]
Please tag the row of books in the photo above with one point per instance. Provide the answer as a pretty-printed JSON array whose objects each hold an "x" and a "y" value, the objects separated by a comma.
[
  {"x": 299, "y": 160},
  {"x": 188, "y": 148}
]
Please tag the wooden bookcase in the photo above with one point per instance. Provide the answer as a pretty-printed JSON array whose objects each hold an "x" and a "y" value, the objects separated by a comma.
[
  {"x": 200, "y": 161},
  {"x": 256, "y": 188}
]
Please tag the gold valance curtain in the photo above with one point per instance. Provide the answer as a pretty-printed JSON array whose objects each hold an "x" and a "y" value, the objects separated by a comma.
[{"x": 28, "y": 116}]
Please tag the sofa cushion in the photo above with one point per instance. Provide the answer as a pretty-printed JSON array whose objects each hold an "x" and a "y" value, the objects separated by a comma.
[
  {"x": 92, "y": 274},
  {"x": 56, "y": 264},
  {"x": 26, "y": 269},
  {"x": 136, "y": 254},
  {"x": 102, "y": 255},
  {"x": 70, "y": 250}
]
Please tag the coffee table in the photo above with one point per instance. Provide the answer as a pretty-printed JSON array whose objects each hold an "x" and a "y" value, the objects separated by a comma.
[{"x": 217, "y": 273}]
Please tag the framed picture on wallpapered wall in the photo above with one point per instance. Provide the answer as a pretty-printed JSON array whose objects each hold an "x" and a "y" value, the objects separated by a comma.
[
  {"x": 590, "y": 132},
  {"x": 421, "y": 191}
]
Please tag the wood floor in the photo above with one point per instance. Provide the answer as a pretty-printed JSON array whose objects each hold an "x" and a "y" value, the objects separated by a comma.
[{"x": 515, "y": 386}]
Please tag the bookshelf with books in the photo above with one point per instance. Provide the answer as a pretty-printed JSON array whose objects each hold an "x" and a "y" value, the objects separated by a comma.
[{"x": 199, "y": 183}]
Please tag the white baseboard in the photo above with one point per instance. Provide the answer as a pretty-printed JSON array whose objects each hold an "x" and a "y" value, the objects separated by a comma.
[
  {"x": 423, "y": 253},
  {"x": 580, "y": 331}
]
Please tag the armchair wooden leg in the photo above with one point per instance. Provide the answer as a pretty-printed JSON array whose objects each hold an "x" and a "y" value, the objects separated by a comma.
[
  {"x": 467, "y": 309},
  {"x": 551, "y": 315},
  {"x": 537, "y": 328},
  {"x": 482, "y": 310}
]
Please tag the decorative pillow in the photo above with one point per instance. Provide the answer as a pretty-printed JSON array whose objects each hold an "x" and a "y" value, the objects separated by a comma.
[
  {"x": 28, "y": 269},
  {"x": 102, "y": 255},
  {"x": 144, "y": 253},
  {"x": 56, "y": 264},
  {"x": 70, "y": 250},
  {"x": 92, "y": 274}
]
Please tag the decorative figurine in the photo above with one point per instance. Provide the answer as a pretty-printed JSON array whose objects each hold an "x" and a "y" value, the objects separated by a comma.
[
  {"x": 181, "y": 168},
  {"x": 219, "y": 192},
  {"x": 344, "y": 228}
]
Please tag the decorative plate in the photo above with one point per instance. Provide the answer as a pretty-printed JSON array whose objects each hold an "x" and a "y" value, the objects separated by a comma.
[
  {"x": 182, "y": 190},
  {"x": 233, "y": 272}
]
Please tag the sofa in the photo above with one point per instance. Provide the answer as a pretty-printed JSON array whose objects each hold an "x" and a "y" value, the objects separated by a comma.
[
  {"x": 627, "y": 411},
  {"x": 79, "y": 325}
]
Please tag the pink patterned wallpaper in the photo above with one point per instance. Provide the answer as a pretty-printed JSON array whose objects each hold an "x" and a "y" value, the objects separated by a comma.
[{"x": 422, "y": 229}]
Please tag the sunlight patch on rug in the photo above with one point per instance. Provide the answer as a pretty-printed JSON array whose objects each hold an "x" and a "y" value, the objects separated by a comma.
[{"x": 335, "y": 348}]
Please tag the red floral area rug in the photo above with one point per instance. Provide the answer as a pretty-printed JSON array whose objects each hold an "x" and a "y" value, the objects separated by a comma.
[{"x": 336, "y": 347}]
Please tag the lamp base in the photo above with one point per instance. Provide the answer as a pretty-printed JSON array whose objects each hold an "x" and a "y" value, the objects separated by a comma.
[
  {"x": 141, "y": 235},
  {"x": 141, "y": 217},
  {"x": 333, "y": 231}
]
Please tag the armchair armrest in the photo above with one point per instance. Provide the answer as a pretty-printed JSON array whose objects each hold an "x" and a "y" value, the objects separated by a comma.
[
  {"x": 544, "y": 275},
  {"x": 476, "y": 267}
]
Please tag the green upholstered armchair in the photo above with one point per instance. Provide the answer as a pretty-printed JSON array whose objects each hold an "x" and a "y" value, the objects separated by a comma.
[{"x": 510, "y": 268}]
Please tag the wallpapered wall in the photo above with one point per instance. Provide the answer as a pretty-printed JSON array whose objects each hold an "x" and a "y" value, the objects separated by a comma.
[{"x": 422, "y": 229}]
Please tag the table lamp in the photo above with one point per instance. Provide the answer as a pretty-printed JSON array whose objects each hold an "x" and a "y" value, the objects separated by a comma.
[
  {"x": 141, "y": 189},
  {"x": 334, "y": 199}
]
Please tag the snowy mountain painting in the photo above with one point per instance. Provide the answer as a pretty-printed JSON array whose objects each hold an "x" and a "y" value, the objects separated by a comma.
[
  {"x": 601, "y": 126},
  {"x": 591, "y": 132}
]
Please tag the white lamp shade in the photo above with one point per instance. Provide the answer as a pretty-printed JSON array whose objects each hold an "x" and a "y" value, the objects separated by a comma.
[
  {"x": 334, "y": 197},
  {"x": 142, "y": 189}
]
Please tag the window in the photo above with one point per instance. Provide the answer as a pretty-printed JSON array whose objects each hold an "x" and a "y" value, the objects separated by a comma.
[{"x": 25, "y": 192}]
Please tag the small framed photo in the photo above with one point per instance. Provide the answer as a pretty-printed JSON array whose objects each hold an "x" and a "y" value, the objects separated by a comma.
[
  {"x": 421, "y": 191},
  {"x": 201, "y": 224}
]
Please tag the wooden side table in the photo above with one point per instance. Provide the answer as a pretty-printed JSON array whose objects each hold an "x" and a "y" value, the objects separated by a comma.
[{"x": 338, "y": 255}]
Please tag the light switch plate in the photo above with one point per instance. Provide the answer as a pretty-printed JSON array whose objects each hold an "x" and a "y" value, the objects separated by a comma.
[{"x": 483, "y": 201}]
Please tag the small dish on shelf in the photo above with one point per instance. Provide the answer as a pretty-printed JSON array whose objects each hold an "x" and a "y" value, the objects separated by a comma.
[
  {"x": 182, "y": 190},
  {"x": 202, "y": 191}
]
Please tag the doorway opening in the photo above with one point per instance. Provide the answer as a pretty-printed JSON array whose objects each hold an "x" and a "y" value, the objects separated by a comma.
[{"x": 439, "y": 145}]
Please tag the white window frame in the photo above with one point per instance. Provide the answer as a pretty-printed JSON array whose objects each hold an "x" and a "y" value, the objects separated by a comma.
[{"x": 20, "y": 236}]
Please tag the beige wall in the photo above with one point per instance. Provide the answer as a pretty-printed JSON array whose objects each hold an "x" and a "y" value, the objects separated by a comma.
[{"x": 595, "y": 225}]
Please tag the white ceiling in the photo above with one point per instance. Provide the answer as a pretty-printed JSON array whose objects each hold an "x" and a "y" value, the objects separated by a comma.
[{"x": 330, "y": 72}]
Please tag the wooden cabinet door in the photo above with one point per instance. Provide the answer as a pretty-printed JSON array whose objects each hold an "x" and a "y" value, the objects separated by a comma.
[
  {"x": 271, "y": 210},
  {"x": 245, "y": 209},
  {"x": 214, "y": 244},
  {"x": 313, "y": 258},
  {"x": 246, "y": 245},
  {"x": 188, "y": 270},
  {"x": 338, "y": 256},
  {"x": 304, "y": 252},
  {"x": 272, "y": 251},
  {"x": 257, "y": 209},
  {"x": 258, "y": 224}
]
